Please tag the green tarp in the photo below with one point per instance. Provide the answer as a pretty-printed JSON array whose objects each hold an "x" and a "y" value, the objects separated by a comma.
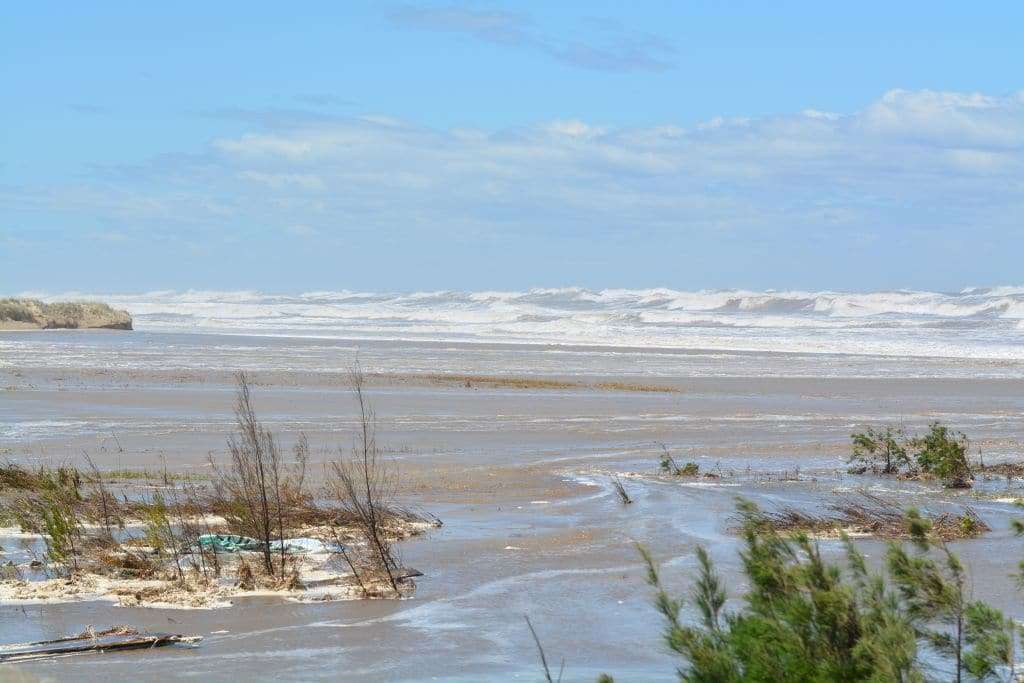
[{"x": 223, "y": 543}]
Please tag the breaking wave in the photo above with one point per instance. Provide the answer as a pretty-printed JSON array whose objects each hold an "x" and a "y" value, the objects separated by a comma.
[{"x": 972, "y": 323}]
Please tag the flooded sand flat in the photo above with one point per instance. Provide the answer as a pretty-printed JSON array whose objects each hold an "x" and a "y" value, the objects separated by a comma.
[{"x": 520, "y": 476}]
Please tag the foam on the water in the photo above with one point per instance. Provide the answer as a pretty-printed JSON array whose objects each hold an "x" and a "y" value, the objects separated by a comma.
[{"x": 974, "y": 323}]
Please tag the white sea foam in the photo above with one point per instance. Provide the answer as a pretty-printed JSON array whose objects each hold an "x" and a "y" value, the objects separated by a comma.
[{"x": 974, "y": 323}]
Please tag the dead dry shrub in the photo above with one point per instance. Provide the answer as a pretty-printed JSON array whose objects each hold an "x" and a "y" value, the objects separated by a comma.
[
  {"x": 124, "y": 563},
  {"x": 100, "y": 505},
  {"x": 245, "y": 579},
  {"x": 364, "y": 488},
  {"x": 873, "y": 515},
  {"x": 257, "y": 493},
  {"x": 620, "y": 492}
]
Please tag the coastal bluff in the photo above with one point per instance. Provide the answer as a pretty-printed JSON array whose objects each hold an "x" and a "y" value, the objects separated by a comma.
[{"x": 33, "y": 314}]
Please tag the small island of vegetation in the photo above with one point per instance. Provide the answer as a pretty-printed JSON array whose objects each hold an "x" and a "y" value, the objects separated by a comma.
[{"x": 33, "y": 314}]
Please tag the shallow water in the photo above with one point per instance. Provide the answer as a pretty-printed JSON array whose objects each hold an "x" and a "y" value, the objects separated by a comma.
[{"x": 521, "y": 478}]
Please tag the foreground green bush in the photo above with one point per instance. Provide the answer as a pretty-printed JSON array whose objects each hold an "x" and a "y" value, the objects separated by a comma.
[{"x": 806, "y": 619}]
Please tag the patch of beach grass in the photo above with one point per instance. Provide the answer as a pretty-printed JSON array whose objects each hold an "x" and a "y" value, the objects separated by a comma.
[
  {"x": 144, "y": 474},
  {"x": 640, "y": 388},
  {"x": 99, "y": 543},
  {"x": 498, "y": 381}
]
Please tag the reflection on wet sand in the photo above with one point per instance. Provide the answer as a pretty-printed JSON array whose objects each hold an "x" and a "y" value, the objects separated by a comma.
[{"x": 522, "y": 477}]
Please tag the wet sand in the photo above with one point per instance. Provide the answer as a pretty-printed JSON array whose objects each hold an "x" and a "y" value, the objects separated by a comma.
[{"x": 520, "y": 475}]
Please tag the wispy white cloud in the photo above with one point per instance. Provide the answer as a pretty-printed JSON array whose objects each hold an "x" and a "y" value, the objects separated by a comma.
[
  {"x": 278, "y": 181},
  {"x": 948, "y": 119},
  {"x": 269, "y": 146},
  {"x": 614, "y": 48},
  {"x": 506, "y": 28},
  {"x": 911, "y": 161}
]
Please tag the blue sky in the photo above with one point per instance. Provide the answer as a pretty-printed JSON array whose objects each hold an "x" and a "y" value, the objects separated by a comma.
[{"x": 378, "y": 146}]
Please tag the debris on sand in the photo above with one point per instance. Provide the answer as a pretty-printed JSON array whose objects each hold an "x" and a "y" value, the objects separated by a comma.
[
  {"x": 323, "y": 570},
  {"x": 90, "y": 641},
  {"x": 226, "y": 543},
  {"x": 255, "y": 526},
  {"x": 1009, "y": 470},
  {"x": 871, "y": 515},
  {"x": 668, "y": 465}
]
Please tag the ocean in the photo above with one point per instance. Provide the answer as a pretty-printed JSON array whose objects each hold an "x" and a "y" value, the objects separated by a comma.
[
  {"x": 762, "y": 389},
  {"x": 982, "y": 323}
]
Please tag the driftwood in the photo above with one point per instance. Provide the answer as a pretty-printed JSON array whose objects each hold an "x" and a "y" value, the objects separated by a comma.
[
  {"x": 407, "y": 574},
  {"x": 118, "y": 638}
]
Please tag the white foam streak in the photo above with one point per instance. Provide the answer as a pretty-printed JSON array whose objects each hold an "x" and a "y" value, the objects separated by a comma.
[{"x": 975, "y": 323}]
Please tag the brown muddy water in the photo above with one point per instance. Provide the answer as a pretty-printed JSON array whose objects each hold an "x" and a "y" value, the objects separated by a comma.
[{"x": 521, "y": 478}]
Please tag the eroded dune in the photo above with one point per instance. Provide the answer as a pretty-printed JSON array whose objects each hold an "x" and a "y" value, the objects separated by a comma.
[{"x": 31, "y": 314}]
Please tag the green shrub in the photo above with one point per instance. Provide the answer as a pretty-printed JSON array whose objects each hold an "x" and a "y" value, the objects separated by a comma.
[
  {"x": 943, "y": 452},
  {"x": 806, "y": 619},
  {"x": 690, "y": 469},
  {"x": 971, "y": 636},
  {"x": 61, "y": 530},
  {"x": 882, "y": 450},
  {"x": 668, "y": 465},
  {"x": 50, "y": 509}
]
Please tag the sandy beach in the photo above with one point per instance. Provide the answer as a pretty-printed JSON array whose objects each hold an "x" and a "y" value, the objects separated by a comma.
[
  {"x": 515, "y": 449},
  {"x": 467, "y": 341}
]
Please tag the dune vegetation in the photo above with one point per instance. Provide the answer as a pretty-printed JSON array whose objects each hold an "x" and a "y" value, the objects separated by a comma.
[
  {"x": 257, "y": 523},
  {"x": 35, "y": 314},
  {"x": 805, "y": 617}
]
